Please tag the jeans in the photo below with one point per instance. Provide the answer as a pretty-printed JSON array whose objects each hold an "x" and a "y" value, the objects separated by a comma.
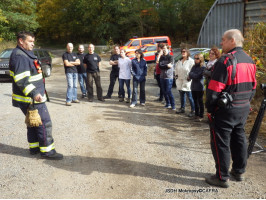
[
  {"x": 121, "y": 87},
  {"x": 166, "y": 85},
  {"x": 183, "y": 99},
  {"x": 97, "y": 78},
  {"x": 142, "y": 97},
  {"x": 198, "y": 101},
  {"x": 82, "y": 82},
  {"x": 72, "y": 82},
  {"x": 113, "y": 77},
  {"x": 160, "y": 86}
]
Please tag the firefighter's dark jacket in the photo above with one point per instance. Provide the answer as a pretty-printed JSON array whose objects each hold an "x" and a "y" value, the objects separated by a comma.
[
  {"x": 27, "y": 82},
  {"x": 244, "y": 85}
]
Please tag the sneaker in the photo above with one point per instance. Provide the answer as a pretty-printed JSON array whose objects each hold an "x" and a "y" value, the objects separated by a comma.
[
  {"x": 199, "y": 119},
  {"x": 142, "y": 104},
  {"x": 128, "y": 100},
  {"x": 213, "y": 180},
  {"x": 83, "y": 95},
  {"x": 191, "y": 114},
  {"x": 55, "y": 156},
  {"x": 132, "y": 105},
  {"x": 237, "y": 177},
  {"x": 181, "y": 110},
  {"x": 68, "y": 104},
  {"x": 167, "y": 106},
  {"x": 121, "y": 99},
  {"x": 106, "y": 97},
  {"x": 102, "y": 99},
  {"x": 76, "y": 101},
  {"x": 174, "y": 109}
]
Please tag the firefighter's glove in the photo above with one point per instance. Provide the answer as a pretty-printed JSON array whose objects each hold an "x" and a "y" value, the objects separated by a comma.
[{"x": 33, "y": 118}]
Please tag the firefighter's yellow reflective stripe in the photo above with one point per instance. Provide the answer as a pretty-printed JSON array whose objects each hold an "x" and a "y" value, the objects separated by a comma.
[
  {"x": 47, "y": 149},
  {"x": 11, "y": 73},
  {"x": 35, "y": 78},
  {"x": 27, "y": 99},
  {"x": 21, "y": 98},
  {"x": 28, "y": 89},
  {"x": 21, "y": 76},
  {"x": 34, "y": 145}
]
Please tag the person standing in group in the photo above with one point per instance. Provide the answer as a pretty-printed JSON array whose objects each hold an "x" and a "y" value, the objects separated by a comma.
[
  {"x": 114, "y": 72},
  {"x": 197, "y": 85},
  {"x": 166, "y": 76},
  {"x": 28, "y": 87},
  {"x": 231, "y": 88},
  {"x": 214, "y": 54},
  {"x": 139, "y": 72},
  {"x": 82, "y": 75},
  {"x": 124, "y": 64},
  {"x": 183, "y": 85},
  {"x": 71, "y": 62},
  {"x": 158, "y": 71},
  {"x": 92, "y": 63}
]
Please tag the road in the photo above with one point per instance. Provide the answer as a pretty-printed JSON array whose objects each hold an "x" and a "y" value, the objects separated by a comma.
[{"x": 113, "y": 151}]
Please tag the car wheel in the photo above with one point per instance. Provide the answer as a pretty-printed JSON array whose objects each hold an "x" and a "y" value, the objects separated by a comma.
[{"x": 47, "y": 70}]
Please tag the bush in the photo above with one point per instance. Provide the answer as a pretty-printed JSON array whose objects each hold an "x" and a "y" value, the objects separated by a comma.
[{"x": 7, "y": 44}]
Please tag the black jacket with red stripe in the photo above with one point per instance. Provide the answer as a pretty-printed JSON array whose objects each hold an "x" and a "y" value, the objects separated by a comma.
[{"x": 242, "y": 88}]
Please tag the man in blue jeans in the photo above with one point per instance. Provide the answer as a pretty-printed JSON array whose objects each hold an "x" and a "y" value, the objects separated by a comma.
[
  {"x": 70, "y": 63},
  {"x": 82, "y": 75}
]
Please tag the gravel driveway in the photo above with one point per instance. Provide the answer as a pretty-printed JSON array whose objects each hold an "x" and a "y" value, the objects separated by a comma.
[{"x": 113, "y": 151}]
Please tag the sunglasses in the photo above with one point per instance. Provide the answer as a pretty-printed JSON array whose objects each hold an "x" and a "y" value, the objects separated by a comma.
[
  {"x": 196, "y": 58},
  {"x": 211, "y": 53},
  {"x": 183, "y": 51}
]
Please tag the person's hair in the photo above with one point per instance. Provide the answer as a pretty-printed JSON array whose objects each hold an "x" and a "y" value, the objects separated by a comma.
[
  {"x": 23, "y": 35},
  {"x": 216, "y": 52},
  {"x": 140, "y": 52},
  {"x": 123, "y": 50},
  {"x": 116, "y": 46},
  {"x": 201, "y": 58},
  {"x": 80, "y": 45},
  {"x": 70, "y": 44},
  {"x": 165, "y": 45},
  {"x": 91, "y": 44},
  {"x": 236, "y": 35},
  {"x": 188, "y": 53}
]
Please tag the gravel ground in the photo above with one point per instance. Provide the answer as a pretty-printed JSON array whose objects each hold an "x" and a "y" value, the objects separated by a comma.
[{"x": 113, "y": 151}]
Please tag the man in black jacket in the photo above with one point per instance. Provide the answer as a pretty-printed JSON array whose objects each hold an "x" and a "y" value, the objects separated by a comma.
[
  {"x": 28, "y": 87},
  {"x": 233, "y": 80}
]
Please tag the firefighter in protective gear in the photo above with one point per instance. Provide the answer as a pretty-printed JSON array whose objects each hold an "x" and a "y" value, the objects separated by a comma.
[
  {"x": 234, "y": 74},
  {"x": 28, "y": 87}
]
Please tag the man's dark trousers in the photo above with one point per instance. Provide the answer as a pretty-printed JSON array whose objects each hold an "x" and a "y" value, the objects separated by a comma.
[
  {"x": 228, "y": 139},
  {"x": 113, "y": 77},
  {"x": 97, "y": 79}
]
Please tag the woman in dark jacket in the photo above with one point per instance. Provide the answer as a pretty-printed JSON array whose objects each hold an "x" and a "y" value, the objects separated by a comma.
[
  {"x": 197, "y": 85},
  {"x": 139, "y": 72}
]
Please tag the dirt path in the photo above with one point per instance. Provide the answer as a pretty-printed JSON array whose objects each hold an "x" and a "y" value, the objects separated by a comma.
[{"x": 113, "y": 151}]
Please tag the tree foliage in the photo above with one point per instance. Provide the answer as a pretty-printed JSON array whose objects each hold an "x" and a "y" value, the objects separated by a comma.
[
  {"x": 17, "y": 15},
  {"x": 102, "y": 20}
]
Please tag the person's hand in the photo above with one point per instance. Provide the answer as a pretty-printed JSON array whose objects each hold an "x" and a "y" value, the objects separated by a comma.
[
  {"x": 38, "y": 98},
  {"x": 169, "y": 65}
]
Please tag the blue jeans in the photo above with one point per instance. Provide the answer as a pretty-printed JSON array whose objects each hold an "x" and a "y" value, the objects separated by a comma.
[
  {"x": 142, "y": 97},
  {"x": 166, "y": 85},
  {"x": 121, "y": 87},
  {"x": 183, "y": 99},
  {"x": 72, "y": 82},
  {"x": 82, "y": 82}
]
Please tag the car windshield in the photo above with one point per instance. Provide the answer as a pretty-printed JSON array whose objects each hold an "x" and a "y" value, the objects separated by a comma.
[
  {"x": 6, "y": 53},
  {"x": 127, "y": 43}
]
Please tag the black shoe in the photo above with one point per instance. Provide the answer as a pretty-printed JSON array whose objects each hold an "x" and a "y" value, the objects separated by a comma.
[
  {"x": 106, "y": 97},
  {"x": 191, "y": 114},
  {"x": 55, "y": 156},
  {"x": 83, "y": 96},
  {"x": 102, "y": 99},
  {"x": 213, "y": 180},
  {"x": 121, "y": 99},
  {"x": 90, "y": 100},
  {"x": 237, "y": 177},
  {"x": 181, "y": 110},
  {"x": 34, "y": 152}
]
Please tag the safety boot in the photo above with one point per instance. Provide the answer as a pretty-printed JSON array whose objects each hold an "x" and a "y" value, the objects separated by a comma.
[
  {"x": 55, "y": 156},
  {"x": 213, "y": 180}
]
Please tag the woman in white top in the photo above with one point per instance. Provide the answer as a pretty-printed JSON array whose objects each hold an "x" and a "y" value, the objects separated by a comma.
[
  {"x": 182, "y": 69},
  {"x": 124, "y": 64}
]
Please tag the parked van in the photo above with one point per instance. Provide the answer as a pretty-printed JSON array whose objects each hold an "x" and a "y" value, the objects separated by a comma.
[{"x": 137, "y": 43}]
